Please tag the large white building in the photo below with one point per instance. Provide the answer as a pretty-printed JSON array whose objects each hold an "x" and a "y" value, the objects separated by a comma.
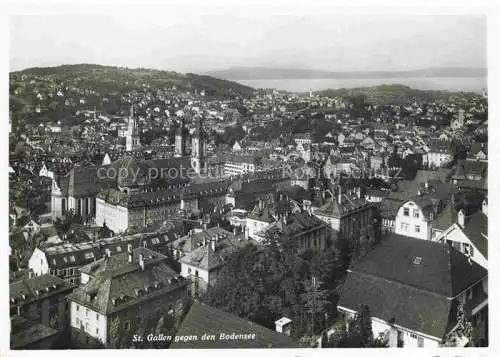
[
  {"x": 258, "y": 220},
  {"x": 65, "y": 260},
  {"x": 125, "y": 291}
]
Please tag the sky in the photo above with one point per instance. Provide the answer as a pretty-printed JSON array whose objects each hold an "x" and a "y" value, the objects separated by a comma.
[{"x": 198, "y": 41}]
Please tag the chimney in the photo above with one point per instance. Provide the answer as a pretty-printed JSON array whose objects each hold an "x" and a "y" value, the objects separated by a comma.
[
  {"x": 261, "y": 204},
  {"x": 18, "y": 310},
  {"x": 485, "y": 207},
  {"x": 204, "y": 241},
  {"x": 108, "y": 253},
  {"x": 129, "y": 248},
  {"x": 461, "y": 218},
  {"x": 426, "y": 183},
  {"x": 339, "y": 197},
  {"x": 130, "y": 257},
  {"x": 247, "y": 232},
  {"x": 30, "y": 274},
  {"x": 141, "y": 261},
  {"x": 284, "y": 326},
  {"x": 144, "y": 244},
  {"x": 204, "y": 226},
  {"x": 358, "y": 192},
  {"x": 212, "y": 242}
]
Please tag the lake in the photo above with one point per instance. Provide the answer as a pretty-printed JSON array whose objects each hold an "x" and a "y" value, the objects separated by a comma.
[{"x": 466, "y": 84}]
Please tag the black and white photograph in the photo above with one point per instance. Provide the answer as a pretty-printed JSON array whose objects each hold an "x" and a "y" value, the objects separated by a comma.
[{"x": 232, "y": 178}]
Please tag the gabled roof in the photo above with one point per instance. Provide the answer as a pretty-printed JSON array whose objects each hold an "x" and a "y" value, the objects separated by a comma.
[
  {"x": 203, "y": 319},
  {"x": 207, "y": 258},
  {"x": 348, "y": 204},
  {"x": 415, "y": 288},
  {"x": 262, "y": 214},
  {"x": 415, "y": 309},
  {"x": 444, "y": 270}
]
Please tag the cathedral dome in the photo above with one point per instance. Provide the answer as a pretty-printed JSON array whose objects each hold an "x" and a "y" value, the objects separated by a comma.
[{"x": 130, "y": 172}]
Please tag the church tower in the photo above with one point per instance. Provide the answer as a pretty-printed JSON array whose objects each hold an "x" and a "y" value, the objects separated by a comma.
[
  {"x": 199, "y": 148},
  {"x": 180, "y": 140},
  {"x": 132, "y": 140}
]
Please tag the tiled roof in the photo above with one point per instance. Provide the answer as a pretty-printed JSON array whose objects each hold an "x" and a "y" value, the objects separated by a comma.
[
  {"x": 443, "y": 270},
  {"x": 466, "y": 167},
  {"x": 476, "y": 229},
  {"x": 414, "y": 288},
  {"x": 194, "y": 240},
  {"x": 295, "y": 224},
  {"x": 139, "y": 199},
  {"x": 348, "y": 204},
  {"x": 207, "y": 258},
  {"x": 70, "y": 255},
  {"x": 389, "y": 300},
  {"x": 203, "y": 319},
  {"x": 25, "y": 334},
  {"x": 117, "y": 284},
  {"x": 262, "y": 214},
  {"x": 40, "y": 287}
]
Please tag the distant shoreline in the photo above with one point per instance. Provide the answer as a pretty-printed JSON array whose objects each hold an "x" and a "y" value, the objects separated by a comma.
[{"x": 302, "y": 85}]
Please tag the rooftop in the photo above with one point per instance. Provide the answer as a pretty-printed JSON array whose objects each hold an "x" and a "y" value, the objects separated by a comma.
[
  {"x": 203, "y": 319},
  {"x": 117, "y": 283}
]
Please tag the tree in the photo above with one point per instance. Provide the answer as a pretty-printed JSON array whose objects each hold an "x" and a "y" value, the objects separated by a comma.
[
  {"x": 62, "y": 225},
  {"x": 115, "y": 331},
  {"x": 356, "y": 332}
]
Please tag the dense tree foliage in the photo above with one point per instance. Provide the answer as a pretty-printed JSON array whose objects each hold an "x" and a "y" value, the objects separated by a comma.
[
  {"x": 355, "y": 332},
  {"x": 264, "y": 284}
]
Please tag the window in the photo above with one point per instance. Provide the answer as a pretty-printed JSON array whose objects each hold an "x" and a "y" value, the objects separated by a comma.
[
  {"x": 189, "y": 270},
  {"x": 420, "y": 342},
  {"x": 97, "y": 316},
  {"x": 412, "y": 335},
  {"x": 86, "y": 326},
  {"x": 77, "y": 321},
  {"x": 77, "y": 307},
  {"x": 416, "y": 213},
  {"x": 417, "y": 229},
  {"x": 97, "y": 330},
  {"x": 127, "y": 325},
  {"x": 86, "y": 312},
  {"x": 406, "y": 211}
]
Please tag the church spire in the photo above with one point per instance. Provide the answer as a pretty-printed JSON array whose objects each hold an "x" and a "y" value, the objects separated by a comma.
[{"x": 132, "y": 140}]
